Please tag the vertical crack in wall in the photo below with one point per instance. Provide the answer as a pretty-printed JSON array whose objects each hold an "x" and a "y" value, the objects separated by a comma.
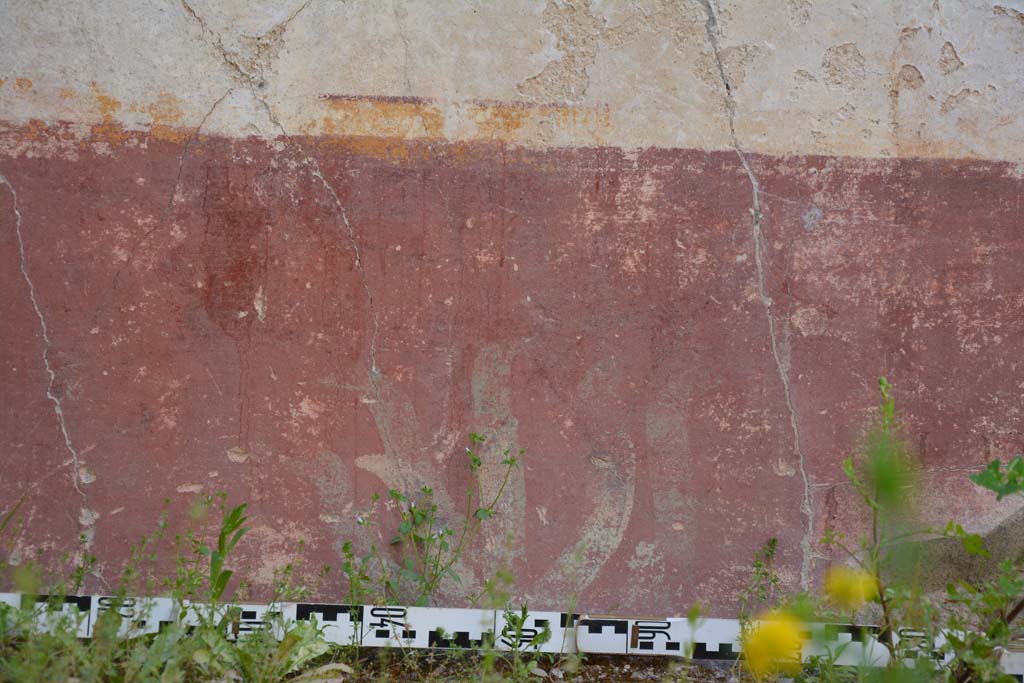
[
  {"x": 188, "y": 147},
  {"x": 806, "y": 506},
  {"x": 86, "y": 516},
  {"x": 400, "y": 25},
  {"x": 254, "y": 82},
  {"x": 354, "y": 244}
]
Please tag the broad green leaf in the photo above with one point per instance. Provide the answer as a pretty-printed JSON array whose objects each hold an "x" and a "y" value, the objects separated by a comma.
[{"x": 1003, "y": 483}]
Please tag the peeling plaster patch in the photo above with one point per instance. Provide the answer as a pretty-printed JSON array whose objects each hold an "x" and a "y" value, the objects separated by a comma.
[
  {"x": 910, "y": 77},
  {"x": 190, "y": 488},
  {"x": 737, "y": 60},
  {"x": 542, "y": 515},
  {"x": 844, "y": 66},
  {"x": 87, "y": 517},
  {"x": 259, "y": 303},
  {"x": 781, "y": 468},
  {"x": 576, "y": 33},
  {"x": 811, "y": 217},
  {"x": 645, "y": 555},
  {"x": 277, "y": 548},
  {"x": 647, "y": 570},
  {"x": 1009, "y": 12},
  {"x": 951, "y": 102},
  {"x": 810, "y": 321},
  {"x": 949, "y": 60},
  {"x": 308, "y": 408},
  {"x": 85, "y": 476},
  {"x": 800, "y": 10},
  {"x": 237, "y": 454}
]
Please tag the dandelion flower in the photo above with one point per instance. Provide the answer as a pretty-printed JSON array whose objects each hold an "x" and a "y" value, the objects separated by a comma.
[
  {"x": 773, "y": 645},
  {"x": 850, "y": 588}
]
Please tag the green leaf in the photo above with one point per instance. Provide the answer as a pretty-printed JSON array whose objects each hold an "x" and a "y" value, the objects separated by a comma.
[
  {"x": 221, "y": 583},
  {"x": 216, "y": 562},
  {"x": 411, "y": 575},
  {"x": 694, "y": 614},
  {"x": 1003, "y": 483},
  {"x": 236, "y": 538},
  {"x": 483, "y": 513}
]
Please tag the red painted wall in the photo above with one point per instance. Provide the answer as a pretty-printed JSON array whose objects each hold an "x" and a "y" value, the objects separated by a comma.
[{"x": 210, "y": 326}]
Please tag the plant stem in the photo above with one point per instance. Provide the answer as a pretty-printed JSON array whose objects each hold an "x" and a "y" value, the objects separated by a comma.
[{"x": 963, "y": 672}]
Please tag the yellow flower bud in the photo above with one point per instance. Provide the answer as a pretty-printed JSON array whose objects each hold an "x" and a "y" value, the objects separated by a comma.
[
  {"x": 773, "y": 645},
  {"x": 850, "y": 588}
]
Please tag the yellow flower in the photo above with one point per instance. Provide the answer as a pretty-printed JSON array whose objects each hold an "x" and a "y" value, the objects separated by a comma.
[
  {"x": 850, "y": 588},
  {"x": 773, "y": 645}
]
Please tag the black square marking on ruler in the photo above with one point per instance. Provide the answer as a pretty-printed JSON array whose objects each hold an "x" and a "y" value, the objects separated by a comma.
[
  {"x": 700, "y": 651},
  {"x": 568, "y": 619},
  {"x": 326, "y": 612},
  {"x": 673, "y": 646},
  {"x": 382, "y": 633},
  {"x": 857, "y": 633},
  {"x": 541, "y": 623},
  {"x": 461, "y": 639},
  {"x": 248, "y": 614},
  {"x": 647, "y": 645},
  {"x": 82, "y": 602},
  {"x": 621, "y": 626}
]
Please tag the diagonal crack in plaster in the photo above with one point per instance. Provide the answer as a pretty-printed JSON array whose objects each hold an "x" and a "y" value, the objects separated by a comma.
[
  {"x": 806, "y": 505},
  {"x": 405, "y": 46},
  {"x": 174, "y": 186},
  {"x": 188, "y": 146},
  {"x": 87, "y": 517},
  {"x": 254, "y": 83},
  {"x": 354, "y": 244}
]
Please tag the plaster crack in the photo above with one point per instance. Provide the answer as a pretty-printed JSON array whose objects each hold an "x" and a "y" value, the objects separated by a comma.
[
  {"x": 405, "y": 46},
  {"x": 86, "y": 517},
  {"x": 291, "y": 17},
  {"x": 255, "y": 83},
  {"x": 217, "y": 43},
  {"x": 183, "y": 157},
  {"x": 782, "y": 366},
  {"x": 354, "y": 245},
  {"x": 188, "y": 146}
]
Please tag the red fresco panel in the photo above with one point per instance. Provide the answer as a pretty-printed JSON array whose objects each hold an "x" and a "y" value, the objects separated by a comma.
[{"x": 211, "y": 327}]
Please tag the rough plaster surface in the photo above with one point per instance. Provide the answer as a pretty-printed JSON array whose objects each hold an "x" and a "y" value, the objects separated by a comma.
[
  {"x": 297, "y": 251},
  {"x": 807, "y": 77}
]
